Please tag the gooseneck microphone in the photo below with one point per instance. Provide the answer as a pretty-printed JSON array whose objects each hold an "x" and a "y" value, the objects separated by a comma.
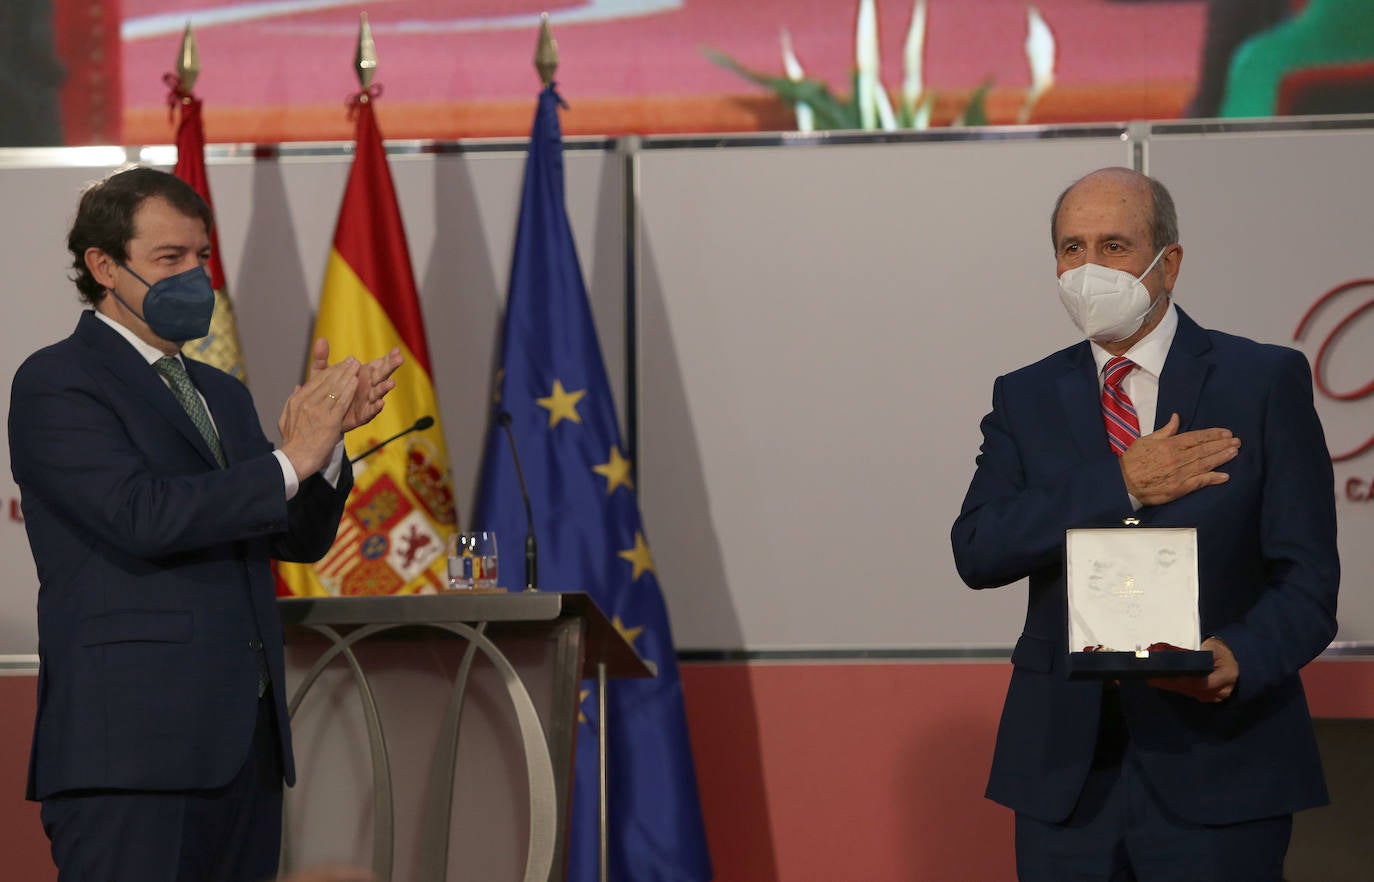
[
  {"x": 420, "y": 425},
  {"x": 531, "y": 551}
]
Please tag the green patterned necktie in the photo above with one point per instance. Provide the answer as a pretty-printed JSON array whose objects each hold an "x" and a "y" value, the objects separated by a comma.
[{"x": 174, "y": 372}]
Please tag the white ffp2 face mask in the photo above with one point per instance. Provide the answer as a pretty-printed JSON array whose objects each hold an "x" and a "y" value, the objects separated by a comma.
[{"x": 1107, "y": 305}]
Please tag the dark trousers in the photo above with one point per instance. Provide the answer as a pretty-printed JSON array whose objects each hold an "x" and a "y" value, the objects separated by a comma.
[
  {"x": 228, "y": 834},
  {"x": 1121, "y": 832}
]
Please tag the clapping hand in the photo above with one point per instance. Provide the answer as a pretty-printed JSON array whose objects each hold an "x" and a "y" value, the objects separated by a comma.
[
  {"x": 311, "y": 423},
  {"x": 374, "y": 382}
]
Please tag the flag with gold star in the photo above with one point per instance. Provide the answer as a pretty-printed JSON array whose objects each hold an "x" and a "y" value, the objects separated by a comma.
[
  {"x": 397, "y": 519},
  {"x": 220, "y": 347},
  {"x": 587, "y": 522}
]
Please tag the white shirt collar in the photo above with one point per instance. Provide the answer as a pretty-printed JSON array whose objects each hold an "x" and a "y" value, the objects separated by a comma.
[
  {"x": 1150, "y": 351},
  {"x": 150, "y": 353}
]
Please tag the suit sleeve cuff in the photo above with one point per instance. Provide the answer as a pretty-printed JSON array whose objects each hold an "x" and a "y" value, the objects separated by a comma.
[
  {"x": 288, "y": 474},
  {"x": 334, "y": 467}
]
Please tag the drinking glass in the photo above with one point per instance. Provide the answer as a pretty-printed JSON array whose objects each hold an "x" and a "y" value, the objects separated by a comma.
[{"x": 472, "y": 560}]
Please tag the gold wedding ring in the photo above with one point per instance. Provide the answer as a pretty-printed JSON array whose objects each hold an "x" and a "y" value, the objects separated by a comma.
[{"x": 331, "y": 396}]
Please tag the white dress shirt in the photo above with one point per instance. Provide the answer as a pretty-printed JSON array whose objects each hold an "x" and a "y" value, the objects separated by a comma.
[{"x": 1142, "y": 384}]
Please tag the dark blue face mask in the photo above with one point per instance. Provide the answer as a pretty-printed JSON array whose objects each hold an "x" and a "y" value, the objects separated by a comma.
[{"x": 177, "y": 308}]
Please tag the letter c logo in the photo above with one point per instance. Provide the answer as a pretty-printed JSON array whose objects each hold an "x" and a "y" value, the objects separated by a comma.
[{"x": 1319, "y": 363}]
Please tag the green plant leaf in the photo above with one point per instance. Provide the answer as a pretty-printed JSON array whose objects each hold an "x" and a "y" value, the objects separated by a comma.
[
  {"x": 830, "y": 112},
  {"x": 976, "y": 111}
]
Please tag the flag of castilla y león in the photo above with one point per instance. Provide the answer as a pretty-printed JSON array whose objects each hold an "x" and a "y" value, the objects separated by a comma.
[
  {"x": 401, "y": 510},
  {"x": 220, "y": 347}
]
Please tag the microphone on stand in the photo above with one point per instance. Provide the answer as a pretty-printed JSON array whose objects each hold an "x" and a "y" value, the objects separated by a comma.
[
  {"x": 531, "y": 552},
  {"x": 420, "y": 425}
]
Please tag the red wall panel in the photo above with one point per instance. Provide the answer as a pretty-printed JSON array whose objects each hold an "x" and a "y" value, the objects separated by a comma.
[{"x": 806, "y": 771}]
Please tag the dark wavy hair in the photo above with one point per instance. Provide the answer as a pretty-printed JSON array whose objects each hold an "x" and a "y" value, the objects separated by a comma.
[{"x": 105, "y": 218}]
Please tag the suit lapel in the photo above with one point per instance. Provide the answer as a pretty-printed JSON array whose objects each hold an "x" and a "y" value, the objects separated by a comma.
[
  {"x": 1082, "y": 402},
  {"x": 127, "y": 367},
  {"x": 1185, "y": 370}
]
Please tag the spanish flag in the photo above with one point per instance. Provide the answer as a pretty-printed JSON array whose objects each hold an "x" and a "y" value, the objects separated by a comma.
[
  {"x": 392, "y": 537},
  {"x": 220, "y": 347}
]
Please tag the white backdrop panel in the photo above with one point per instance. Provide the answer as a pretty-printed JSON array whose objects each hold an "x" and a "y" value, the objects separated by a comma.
[
  {"x": 1269, "y": 223},
  {"x": 820, "y": 327},
  {"x": 276, "y": 221}
]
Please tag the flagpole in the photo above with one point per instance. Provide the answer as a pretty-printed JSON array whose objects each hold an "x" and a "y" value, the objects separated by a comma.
[
  {"x": 603, "y": 780},
  {"x": 365, "y": 57},
  {"x": 220, "y": 346},
  {"x": 546, "y": 52},
  {"x": 188, "y": 62},
  {"x": 546, "y": 64},
  {"x": 598, "y": 536}
]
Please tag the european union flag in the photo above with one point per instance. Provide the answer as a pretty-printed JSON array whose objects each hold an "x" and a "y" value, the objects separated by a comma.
[{"x": 553, "y": 383}]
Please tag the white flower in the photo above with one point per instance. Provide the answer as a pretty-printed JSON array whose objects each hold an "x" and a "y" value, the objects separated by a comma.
[
  {"x": 806, "y": 117},
  {"x": 1040, "y": 53},
  {"x": 913, "y": 62},
  {"x": 866, "y": 64}
]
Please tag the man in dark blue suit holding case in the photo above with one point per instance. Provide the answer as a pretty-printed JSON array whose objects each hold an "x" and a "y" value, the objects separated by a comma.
[
  {"x": 1171, "y": 779},
  {"x": 153, "y": 505}
]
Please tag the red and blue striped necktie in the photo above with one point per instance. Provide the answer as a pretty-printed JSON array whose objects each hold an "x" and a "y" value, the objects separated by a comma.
[{"x": 1118, "y": 412}]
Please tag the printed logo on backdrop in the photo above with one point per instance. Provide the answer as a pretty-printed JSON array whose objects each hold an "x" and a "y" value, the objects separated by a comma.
[{"x": 1337, "y": 333}]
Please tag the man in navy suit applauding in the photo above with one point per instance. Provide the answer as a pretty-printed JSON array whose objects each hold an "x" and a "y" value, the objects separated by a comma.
[
  {"x": 153, "y": 504},
  {"x": 1155, "y": 418}
]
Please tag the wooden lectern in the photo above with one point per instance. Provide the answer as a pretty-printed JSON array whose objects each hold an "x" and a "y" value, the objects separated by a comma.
[{"x": 384, "y": 691}]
